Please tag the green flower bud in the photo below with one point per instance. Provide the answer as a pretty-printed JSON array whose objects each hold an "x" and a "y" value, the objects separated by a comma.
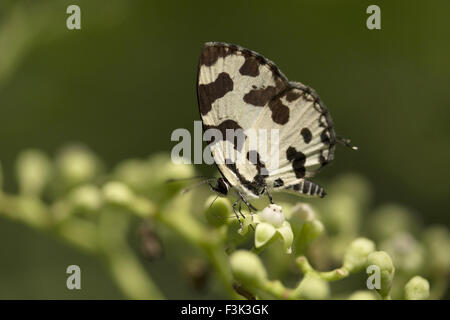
[
  {"x": 309, "y": 232},
  {"x": 314, "y": 229},
  {"x": 272, "y": 224},
  {"x": 417, "y": 288},
  {"x": 362, "y": 295},
  {"x": 77, "y": 164},
  {"x": 135, "y": 173},
  {"x": 248, "y": 269},
  {"x": 217, "y": 213},
  {"x": 164, "y": 168},
  {"x": 387, "y": 270},
  {"x": 87, "y": 198},
  {"x": 407, "y": 253},
  {"x": 303, "y": 211},
  {"x": 356, "y": 254},
  {"x": 118, "y": 193},
  {"x": 33, "y": 170},
  {"x": 158, "y": 177},
  {"x": 313, "y": 288},
  {"x": 272, "y": 215}
]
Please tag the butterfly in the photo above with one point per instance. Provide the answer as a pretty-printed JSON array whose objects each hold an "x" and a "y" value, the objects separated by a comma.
[{"x": 240, "y": 90}]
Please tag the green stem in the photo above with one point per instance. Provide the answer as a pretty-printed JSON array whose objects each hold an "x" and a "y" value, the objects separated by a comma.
[{"x": 333, "y": 275}]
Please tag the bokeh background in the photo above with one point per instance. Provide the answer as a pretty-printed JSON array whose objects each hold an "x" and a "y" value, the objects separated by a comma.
[{"x": 127, "y": 79}]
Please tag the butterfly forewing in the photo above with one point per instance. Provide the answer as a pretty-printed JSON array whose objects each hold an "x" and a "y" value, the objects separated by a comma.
[{"x": 241, "y": 90}]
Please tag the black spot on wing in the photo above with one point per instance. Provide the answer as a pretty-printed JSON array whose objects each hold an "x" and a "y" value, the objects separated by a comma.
[
  {"x": 259, "y": 97},
  {"x": 208, "y": 93},
  {"x": 250, "y": 67},
  {"x": 306, "y": 134},
  {"x": 298, "y": 160},
  {"x": 211, "y": 53},
  {"x": 280, "y": 112},
  {"x": 278, "y": 183},
  {"x": 325, "y": 137},
  {"x": 292, "y": 95}
]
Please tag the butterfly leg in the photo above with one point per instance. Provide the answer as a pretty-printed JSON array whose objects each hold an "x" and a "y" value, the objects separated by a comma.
[
  {"x": 240, "y": 209},
  {"x": 237, "y": 215},
  {"x": 269, "y": 195},
  {"x": 250, "y": 208}
]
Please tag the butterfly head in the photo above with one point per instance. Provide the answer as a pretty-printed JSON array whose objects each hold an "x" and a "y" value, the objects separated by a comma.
[{"x": 221, "y": 187}]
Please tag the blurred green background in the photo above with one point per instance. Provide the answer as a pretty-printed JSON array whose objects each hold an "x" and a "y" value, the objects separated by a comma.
[{"x": 127, "y": 79}]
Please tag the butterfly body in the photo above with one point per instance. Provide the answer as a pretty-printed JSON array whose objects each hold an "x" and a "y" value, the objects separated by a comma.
[{"x": 239, "y": 90}]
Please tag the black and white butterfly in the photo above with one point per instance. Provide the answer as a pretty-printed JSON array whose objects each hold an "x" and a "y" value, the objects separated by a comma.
[{"x": 239, "y": 89}]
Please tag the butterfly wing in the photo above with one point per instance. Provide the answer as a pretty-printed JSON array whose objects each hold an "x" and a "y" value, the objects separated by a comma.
[
  {"x": 234, "y": 86},
  {"x": 306, "y": 139},
  {"x": 239, "y": 89}
]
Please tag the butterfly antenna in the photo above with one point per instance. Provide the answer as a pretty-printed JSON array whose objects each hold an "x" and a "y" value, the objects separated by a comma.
[
  {"x": 187, "y": 179},
  {"x": 186, "y": 190},
  {"x": 346, "y": 142}
]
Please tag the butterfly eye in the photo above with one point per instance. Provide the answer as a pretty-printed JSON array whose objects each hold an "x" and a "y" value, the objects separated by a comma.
[{"x": 221, "y": 187}]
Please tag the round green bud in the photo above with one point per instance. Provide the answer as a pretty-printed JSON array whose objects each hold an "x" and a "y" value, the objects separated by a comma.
[
  {"x": 387, "y": 270},
  {"x": 33, "y": 170},
  {"x": 313, "y": 288},
  {"x": 87, "y": 198},
  {"x": 217, "y": 211},
  {"x": 417, "y": 288},
  {"x": 407, "y": 253},
  {"x": 118, "y": 193},
  {"x": 135, "y": 173},
  {"x": 273, "y": 215},
  {"x": 77, "y": 164},
  {"x": 303, "y": 211},
  {"x": 316, "y": 228},
  {"x": 248, "y": 269},
  {"x": 309, "y": 231},
  {"x": 355, "y": 258},
  {"x": 166, "y": 168}
]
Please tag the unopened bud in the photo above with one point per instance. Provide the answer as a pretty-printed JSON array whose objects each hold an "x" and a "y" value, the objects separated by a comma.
[
  {"x": 33, "y": 169},
  {"x": 248, "y": 269},
  {"x": 356, "y": 255},
  {"x": 417, "y": 288}
]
